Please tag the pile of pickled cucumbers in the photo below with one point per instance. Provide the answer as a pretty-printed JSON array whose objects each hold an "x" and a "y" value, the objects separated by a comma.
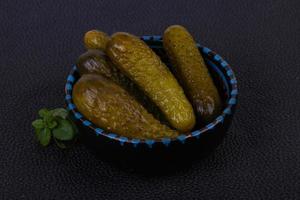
[{"x": 125, "y": 88}]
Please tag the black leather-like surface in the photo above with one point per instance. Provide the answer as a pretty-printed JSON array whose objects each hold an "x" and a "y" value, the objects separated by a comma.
[{"x": 259, "y": 158}]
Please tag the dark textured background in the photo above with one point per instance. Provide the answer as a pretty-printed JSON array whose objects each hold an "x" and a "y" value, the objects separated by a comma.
[{"x": 260, "y": 157}]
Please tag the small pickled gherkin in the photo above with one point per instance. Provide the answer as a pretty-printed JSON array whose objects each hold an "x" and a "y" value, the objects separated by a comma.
[
  {"x": 112, "y": 108},
  {"x": 95, "y": 39},
  {"x": 96, "y": 62},
  {"x": 135, "y": 59},
  {"x": 191, "y": 71}
]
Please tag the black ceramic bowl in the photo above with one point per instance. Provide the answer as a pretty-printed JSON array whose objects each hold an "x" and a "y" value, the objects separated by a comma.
[{"x": 200, "y": 140}]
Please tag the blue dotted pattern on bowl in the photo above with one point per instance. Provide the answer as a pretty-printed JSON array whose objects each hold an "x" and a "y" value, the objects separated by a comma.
[{"x": 215, "y": 61}]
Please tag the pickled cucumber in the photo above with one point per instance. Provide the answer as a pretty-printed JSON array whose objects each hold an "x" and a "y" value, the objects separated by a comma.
[
  {"x": 192, "y": 72},
  {"x": 95, "y": 39},
  {"x": 135, "y": 59},
  {"x": 110, "y": 107}
]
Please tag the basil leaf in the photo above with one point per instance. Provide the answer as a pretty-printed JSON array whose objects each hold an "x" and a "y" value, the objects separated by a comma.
[
  {"x": 44, "y": 112},
  {"x": 44, "y": 136},
  {"x": 59, "y": 112},
  {"x": 48, "y": 119},
  {"x": 64, "y": 131},
  {"x": 38, "y": 124},
  {"x": 52, "y": 124}
]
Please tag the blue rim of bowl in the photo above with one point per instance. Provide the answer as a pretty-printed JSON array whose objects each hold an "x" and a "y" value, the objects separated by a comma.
[{"x": 228, "y": 110}]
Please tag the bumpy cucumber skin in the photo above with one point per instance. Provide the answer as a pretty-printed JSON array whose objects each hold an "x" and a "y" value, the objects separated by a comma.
[
  {"x": 135, "y": 59},
  {"x": 192, "y": 72},
  {"x": 112, "y": 108},
  {"x": 96, "y": 62},
  {"x": 95, "y": 39}
]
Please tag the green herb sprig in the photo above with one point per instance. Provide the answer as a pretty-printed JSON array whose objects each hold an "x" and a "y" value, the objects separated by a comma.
[{"x": 54, "y": 124}]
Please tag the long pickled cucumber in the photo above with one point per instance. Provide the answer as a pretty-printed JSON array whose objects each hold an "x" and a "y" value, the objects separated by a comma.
[
  {"x": 134, "y": 58},
  {"x": 192, "y": 72},
  {"x": 112, "y": 108}
]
